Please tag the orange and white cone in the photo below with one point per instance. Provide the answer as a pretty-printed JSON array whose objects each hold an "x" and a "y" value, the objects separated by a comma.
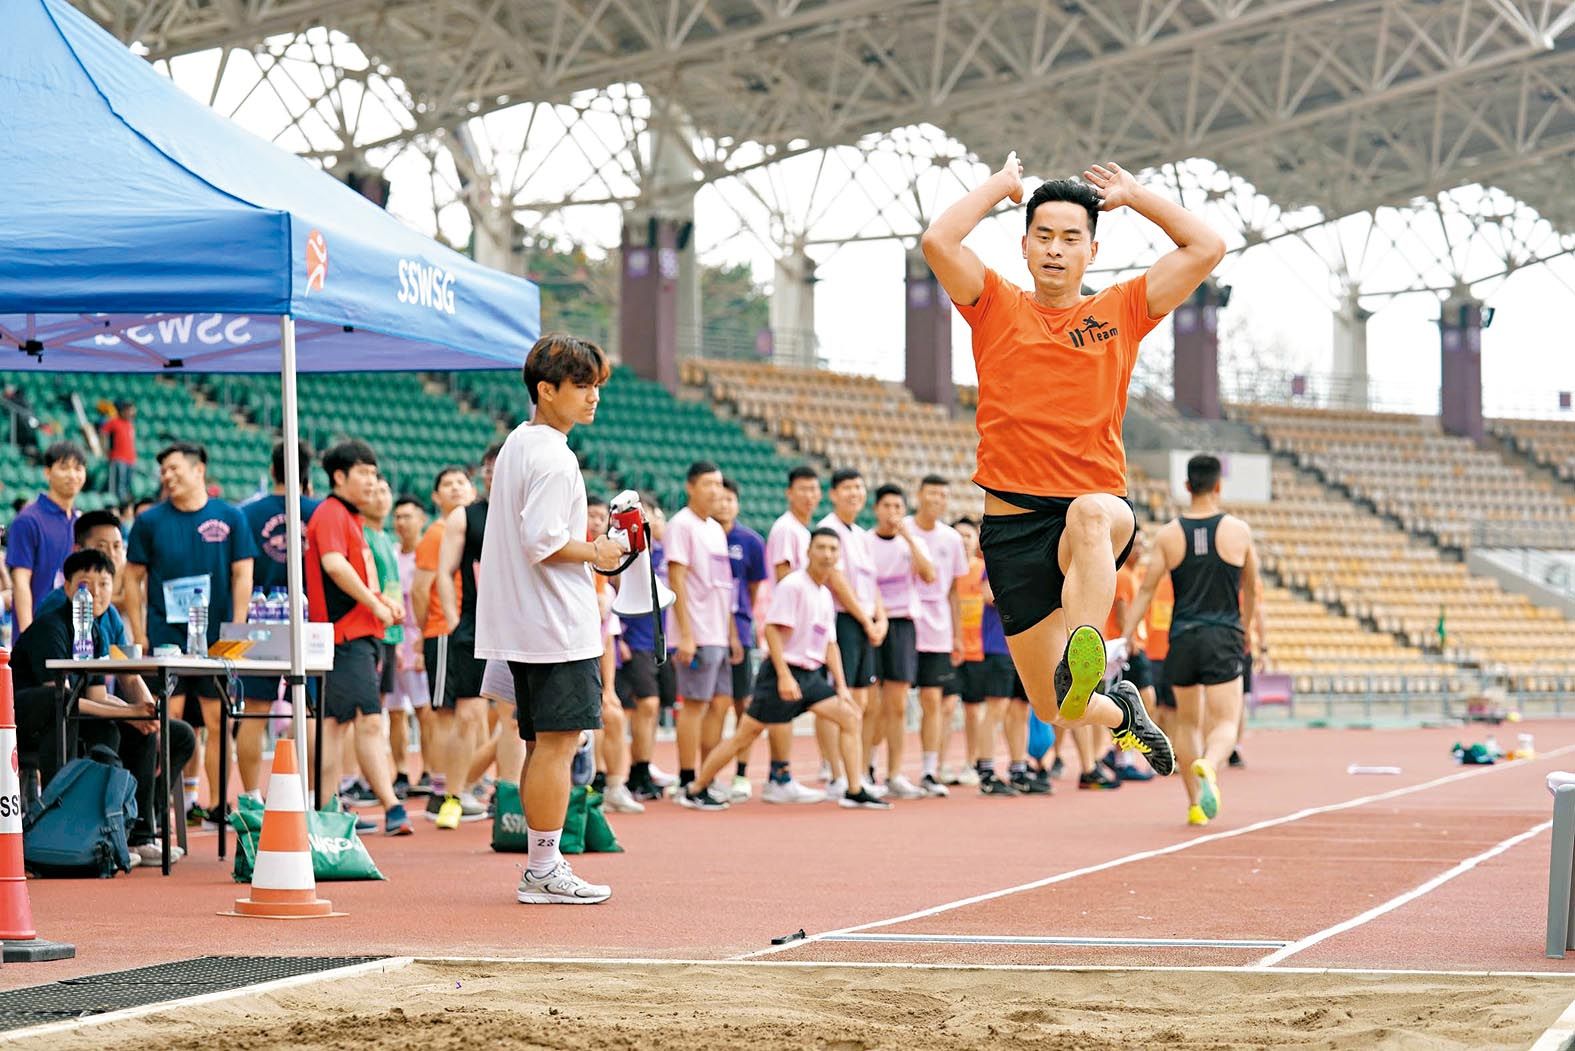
[{"x": 283, "y": 884}]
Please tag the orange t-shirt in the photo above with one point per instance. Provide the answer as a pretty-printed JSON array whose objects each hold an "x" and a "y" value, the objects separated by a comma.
[
  {"x": 427, "y": 552},
  {"x": 970, "y": 604},
  {"x": 1126, "y": 591},
  {"x": 1157, "y": 619},
  {"x": 1053, "y": 387}
]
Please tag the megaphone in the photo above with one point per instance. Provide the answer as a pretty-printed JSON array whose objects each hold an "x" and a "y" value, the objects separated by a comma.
[{"x": 640, "y": 593}]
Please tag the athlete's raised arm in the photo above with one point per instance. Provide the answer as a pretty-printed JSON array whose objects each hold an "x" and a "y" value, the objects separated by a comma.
[
  {"x": 960, "y": 271},
  {"x": 1198, "y": 248}
]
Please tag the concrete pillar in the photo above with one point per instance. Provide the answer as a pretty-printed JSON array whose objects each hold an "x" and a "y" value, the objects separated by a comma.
[
  {"x": 928, "y": 332},
  {"x": 648, "y": 300},
  {"x": 1350, "y": 388},
  {"x": 793, "y": 311},
  {"x": 1196, "y": 375},
  {"x": 1460, "y": 372}
]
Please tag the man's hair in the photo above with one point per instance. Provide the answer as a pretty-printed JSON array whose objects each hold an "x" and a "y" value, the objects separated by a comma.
[
  {"x": 845, "y": 474},
  {"x": 347, "y": 455},
  {"x": 88, "y": 560},
  {"x": 730, "y": 485},
  {"x": 123, "y": 404},
  {"x": 931, "y": 479},
  {"x": 276, "y": 468},
  {"x": 649, "y": 500},
  {"x": 406, "y": 498},
  {"x": 967, "y": 520},
  {"x": 190, "y": 450},
  {"x": 595, "y": 501},
  {"x": 142, "y": 505},
  {"x": 492, "y": 452},
  {"x": 826, "y": 531},
  {"x": 558, "y": 357},
  {"x": 701, "y": 468},
  {"x": 1203, "y": 473},
  {"x": 62, "y": 452},
  {"x": 1072, "y": 191},
  {"x": 91, "y": 520},
  {"x": 890, "y": 490},
  {"x": 802, "y": 471},
  {"x": 437, "y": 483}
]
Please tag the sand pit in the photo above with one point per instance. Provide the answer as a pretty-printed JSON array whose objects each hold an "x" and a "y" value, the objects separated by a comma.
[{"x": 458, "y": 1007}]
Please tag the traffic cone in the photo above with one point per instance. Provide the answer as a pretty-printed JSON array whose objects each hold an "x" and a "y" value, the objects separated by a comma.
[
  {"x": 283, "y": 885},
  {"x": 21, "y": 944}
]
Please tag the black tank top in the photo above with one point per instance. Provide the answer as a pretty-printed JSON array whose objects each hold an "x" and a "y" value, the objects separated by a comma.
[
  {"x": 1207, "y": 587},
  {"x": 475, "y": 528}
]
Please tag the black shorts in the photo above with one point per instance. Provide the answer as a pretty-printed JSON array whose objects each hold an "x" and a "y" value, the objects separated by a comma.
[
  {"x": 1019, "y": 691},
  {"x": 1022, "y": 557},
  {"x": 1205, "y": 656},
  {"x": 937, "y": 670},
  {"x": 639, "y": 677},
  {"x": 1246, "y": 673},
  {"x": 858, "y": 656},
  {"x": 385, "y": 668},
  {"x": 1164, "y": 696},
  {"x": 767, "y": 705},
  {"x": 744, "y": 677},
  {"x": 897, "y": 660},
  {"x": 991, "y": 677},
  {"x": 561, "y": 697},
  {"x": 1139, "y": 672},
  {"x": 454, "y": 664},
  {"x": 352, "y": 685}
]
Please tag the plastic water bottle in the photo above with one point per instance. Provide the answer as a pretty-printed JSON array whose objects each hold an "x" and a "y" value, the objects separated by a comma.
[
  {"x": 82, "y": 624},
  {"x": 197, "y": 624},
  {"x": 278, "y": 606},
  {"x": 257, "y": 612}
]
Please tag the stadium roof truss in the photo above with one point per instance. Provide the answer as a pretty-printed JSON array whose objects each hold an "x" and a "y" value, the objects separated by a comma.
[{"x": 1305, "y": 110}]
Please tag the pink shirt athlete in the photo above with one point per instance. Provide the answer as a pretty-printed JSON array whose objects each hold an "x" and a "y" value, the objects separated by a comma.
[
  {"x": 894, "y": 574},
  {"x": 858, "y": 562},
  {"x": 787, "y": 542},
  {"x": 932, "y": 612},
  {"x": 702, "y": 547},
  {"x": 805, "y": 608}
]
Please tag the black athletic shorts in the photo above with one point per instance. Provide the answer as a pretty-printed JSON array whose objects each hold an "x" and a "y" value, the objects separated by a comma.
[
  {"x": 858, "y": 656},
  {"x": 744, "y": 677},
  {"x": 559, "y": 697},
  {"x": 639, "y": 677},
  {"x": 937, "y": 670},
  {"x": 1021, "y": 555},
  {"x": 1164, "y": 696},
  {"x": 352, "y": 685},
  {"x": 897, "y": 660},
  {"x": 1205, "y": 656},
  {"x": 453, "y": 663},
  {"x": 767, "y": 705},
  {"x": 991, "y": 677},
  {"x": 1246, "y": 673},
  {"x": 1019, "y": 691},
  {"x": 1139, "y": 672},
  {"x": 385, "y": 668}
]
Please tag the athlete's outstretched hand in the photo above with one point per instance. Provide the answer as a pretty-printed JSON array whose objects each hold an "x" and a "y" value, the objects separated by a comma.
[
  {"x": 1012, "y": 172},
  {"x": 1115, "y": 184}
]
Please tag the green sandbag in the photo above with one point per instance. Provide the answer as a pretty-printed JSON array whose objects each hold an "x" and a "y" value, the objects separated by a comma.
[
  {"x": 337, "y": 851},
  {"x": 508, "y": 820},
  {"x": 599, "y": 838},
  {"x": 573, "y": 840}
]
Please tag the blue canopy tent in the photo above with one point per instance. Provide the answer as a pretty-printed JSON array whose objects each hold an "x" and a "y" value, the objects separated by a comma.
[{"x": 142, "y": 232}]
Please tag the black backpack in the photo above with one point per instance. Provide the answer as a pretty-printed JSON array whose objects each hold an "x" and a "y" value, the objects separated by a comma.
[{"x": 79, "y": 826}]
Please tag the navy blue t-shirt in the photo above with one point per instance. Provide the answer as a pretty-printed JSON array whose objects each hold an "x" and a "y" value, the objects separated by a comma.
[
  {"x": 265, "y": 522},
  {"x": 111, "y": 623},
  {"x": 640, "y": 632},
  {"x": 183, "y": 550},
  {"x": 748, "y": 552}
]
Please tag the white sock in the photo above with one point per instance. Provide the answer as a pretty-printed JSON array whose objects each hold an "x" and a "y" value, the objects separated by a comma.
[
  {"x": 544, "y": 856},
  {"x": 932, "y": 763}
]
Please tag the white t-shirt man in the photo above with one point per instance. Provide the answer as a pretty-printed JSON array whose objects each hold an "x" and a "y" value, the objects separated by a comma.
[
  {"x": 805, "y": 608},
  {"x": 858, "y": 561},
  {"x": 533, "y": 611},
  {"x": 932, "y": 612},
  {"x": 701, "y": 546}
]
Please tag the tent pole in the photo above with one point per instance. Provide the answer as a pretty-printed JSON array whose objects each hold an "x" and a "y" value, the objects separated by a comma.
[{"x": 293, "y": 567}]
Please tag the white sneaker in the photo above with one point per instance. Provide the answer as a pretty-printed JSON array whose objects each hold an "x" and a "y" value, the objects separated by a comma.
[
  {"x": 471, "y": 808},
  {"x": 741, "y": 790},
  {"x": 900, "y": 787},
  {"x": 133, "y": 860},
  {"x": 949, "y": 775},
  {"x": 825, "y": 772},
  {"x": 968, "y": 776},
  {"x": 934, "y": 788},
  {"x": 836, "y": 789},
  {"x": 878, "y": 791},
  {"x": 559, "y": 887},
  {"x": 153, "y": 852},
  {"x": 661, "y": 778},
  {"x": 621, "y": 801},
  {"x": 790, "y": 792}
]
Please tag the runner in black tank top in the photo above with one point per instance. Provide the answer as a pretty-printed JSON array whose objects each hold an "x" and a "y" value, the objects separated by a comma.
[{"x": 1214, "y": 573}]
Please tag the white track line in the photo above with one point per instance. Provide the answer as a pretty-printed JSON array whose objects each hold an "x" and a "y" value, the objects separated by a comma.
[
  {"x": 1174, "y": 848},
  {"x": 393, "y": 963},
  {"x": 1084, "y": 943},
  {"x": 1401, "y": 899},
  {"x": 1560, "y": 1034}
]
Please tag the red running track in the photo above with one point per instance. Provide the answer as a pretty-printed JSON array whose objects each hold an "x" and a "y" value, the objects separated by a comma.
[{"x": 716, "y": 886}]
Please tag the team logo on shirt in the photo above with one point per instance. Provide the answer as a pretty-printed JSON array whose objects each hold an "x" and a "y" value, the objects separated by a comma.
[
  {"x": 1092, "y": 331},
  {"x": 214, "y": 531}
]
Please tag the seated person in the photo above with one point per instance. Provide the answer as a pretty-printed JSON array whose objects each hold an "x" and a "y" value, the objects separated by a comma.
[
  {"x": 49, "y": 638},
  {"x": 99, "y": 530}
]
